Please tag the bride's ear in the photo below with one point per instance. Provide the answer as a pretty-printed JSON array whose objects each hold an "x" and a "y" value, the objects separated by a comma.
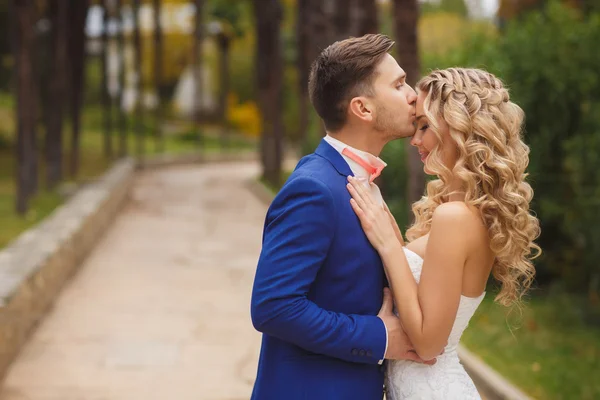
[{"x": 361, "y": 108}]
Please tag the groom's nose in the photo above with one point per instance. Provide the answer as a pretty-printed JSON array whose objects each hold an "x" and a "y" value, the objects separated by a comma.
[{"x": 412, "y": 96}]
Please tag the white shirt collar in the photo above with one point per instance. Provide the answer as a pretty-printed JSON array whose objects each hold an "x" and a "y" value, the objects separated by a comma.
[{"x": 356, "y": 168}]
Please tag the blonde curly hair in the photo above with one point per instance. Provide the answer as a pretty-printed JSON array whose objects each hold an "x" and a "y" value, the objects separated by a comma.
[{"x": 486, "y": 127}]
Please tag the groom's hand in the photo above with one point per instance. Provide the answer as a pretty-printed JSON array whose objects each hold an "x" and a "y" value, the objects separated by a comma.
[{"x": 399, "y": 346}]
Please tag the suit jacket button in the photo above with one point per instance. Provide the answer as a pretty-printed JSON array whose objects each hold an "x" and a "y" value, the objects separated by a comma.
[
  {"x": 361, "y": 353},
  {"x": 354, "y": 352}
]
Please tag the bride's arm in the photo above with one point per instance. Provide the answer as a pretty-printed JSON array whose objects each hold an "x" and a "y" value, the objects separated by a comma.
[{"x": 427, "y": 310}]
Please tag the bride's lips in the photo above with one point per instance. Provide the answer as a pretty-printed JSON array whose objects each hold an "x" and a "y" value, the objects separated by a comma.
[{"x": 423, "y": 156}]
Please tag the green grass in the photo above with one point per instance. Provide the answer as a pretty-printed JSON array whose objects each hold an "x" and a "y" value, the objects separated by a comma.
[
  {"x": 547, "y": 349},
  {"x": 12, "y": 224}
]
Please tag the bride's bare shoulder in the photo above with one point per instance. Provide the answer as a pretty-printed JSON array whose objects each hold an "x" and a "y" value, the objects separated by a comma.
[
  {"x": 463, "y": 222},
  {"x": 455, "y": 211}
]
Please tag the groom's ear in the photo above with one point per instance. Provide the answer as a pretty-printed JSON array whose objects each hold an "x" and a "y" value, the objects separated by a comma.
[{"x": 361, "y": 108}]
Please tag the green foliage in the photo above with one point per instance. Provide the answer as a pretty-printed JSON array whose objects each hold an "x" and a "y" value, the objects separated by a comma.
[
  {"x": 242, "y": 67},
  {"x": 230, "y": 13},
  {"x": 395, "y": 180},
  {"x": 549, "y": 59},
  {"x": 553, "y": 74},
  {"x": 236, "y": 17},
  {"x": 452, "y": 6}
]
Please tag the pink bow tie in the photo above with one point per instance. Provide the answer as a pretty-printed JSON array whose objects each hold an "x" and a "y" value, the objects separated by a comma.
[{"x": 373, "y": 170}]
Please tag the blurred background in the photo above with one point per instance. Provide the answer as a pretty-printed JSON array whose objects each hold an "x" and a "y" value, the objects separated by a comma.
[{"x": 84, "y": 83}]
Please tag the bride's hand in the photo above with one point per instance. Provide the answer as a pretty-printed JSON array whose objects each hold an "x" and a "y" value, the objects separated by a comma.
[{"x": 373, "y": 217}]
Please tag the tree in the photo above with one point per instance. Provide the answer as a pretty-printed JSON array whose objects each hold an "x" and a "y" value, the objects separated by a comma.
[
  {"x": 406, "y": 14},
  {"x": 57, "y": 93},
  {"x": 139, "y": 111},
  {"x": 5, "y": 44},
  {"x": 319, "y": 27},
  {"x": 352, "y": 18},
  {"x": 224, "y": 44},
  {"x": 314, "y": 30},
  {"x": 122, "y": 122},
  {"x": 77, "y": 16},
  {"x": 226, "y": 24},
  {"x": 106, "y": 99},
  {"x": 158, "y": 55},
  {"x": 226, "y": 16},
  {"x": 269, "y": 70},
  {"x": 340, "y": 16},
  {"x": 366, "y": 17},
  {"x": 23, "y": 44},
  {"x": 303, "y": 62},
  {"x": 320, "y": 23},
  {"x": 197, "y": 56}
]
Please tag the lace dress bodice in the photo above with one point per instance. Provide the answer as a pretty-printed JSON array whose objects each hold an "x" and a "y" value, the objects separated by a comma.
[{"x": 446, "y": 379}]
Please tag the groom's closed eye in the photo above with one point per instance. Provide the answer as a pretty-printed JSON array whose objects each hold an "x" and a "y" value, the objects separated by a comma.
[{"x": 400, "y": 81}]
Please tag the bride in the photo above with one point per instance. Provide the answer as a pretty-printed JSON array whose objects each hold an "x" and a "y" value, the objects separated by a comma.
[{"x": 474, "y": 221}]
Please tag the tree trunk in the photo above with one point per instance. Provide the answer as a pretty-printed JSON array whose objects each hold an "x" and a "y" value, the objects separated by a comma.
[
  {"x": 121, "y": 112},
  {"x": 158, "y": 55},
  {"x": 139, "y": 113},
  {"x": 197, "y": 55},
  {"x": 106, "y": 100},
  {"x": 57, "y": 93},
  {"x": 303, "y": 66},
  {"x": 269, "y": 69},
  {"x": 23, "y": 44},
  {"x": 319, "y": 24},
  {"x": 321, "y": 32},
  {"x": 406, "y": 14},
  {"x": 341, "y": 18},
  {"x": 77, "y": 55},
  {"x": 224, "y": 45},
  {"x": 319, "y": 28},
  {"x": 366, "y": 17}
]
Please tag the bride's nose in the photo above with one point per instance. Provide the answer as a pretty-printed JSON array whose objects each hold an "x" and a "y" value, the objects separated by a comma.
[{"x": 416, "y": 140}]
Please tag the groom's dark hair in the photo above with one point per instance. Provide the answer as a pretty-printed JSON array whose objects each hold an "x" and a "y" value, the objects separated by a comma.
[{"x": 342, "y": 71}]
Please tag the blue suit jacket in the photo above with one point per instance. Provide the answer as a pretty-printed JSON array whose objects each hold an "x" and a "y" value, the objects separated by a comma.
[{"x": 317, "y": 291}]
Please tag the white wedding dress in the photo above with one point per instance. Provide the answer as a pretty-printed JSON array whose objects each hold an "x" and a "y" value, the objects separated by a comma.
[{"x": 447, "y": 379}]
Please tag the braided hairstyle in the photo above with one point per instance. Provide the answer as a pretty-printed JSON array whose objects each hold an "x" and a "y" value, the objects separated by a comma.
[{"x": 486, "y": 127}]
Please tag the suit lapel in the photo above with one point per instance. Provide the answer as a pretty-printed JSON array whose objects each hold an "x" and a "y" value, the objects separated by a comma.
[{"x": 326, "y": 151}]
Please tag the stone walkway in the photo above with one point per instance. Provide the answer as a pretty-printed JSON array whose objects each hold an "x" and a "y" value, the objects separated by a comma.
[{"x": 160, "y": 309}]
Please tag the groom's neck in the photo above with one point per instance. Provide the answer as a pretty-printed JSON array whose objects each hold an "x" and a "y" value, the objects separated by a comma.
[{"x": 369, "y": 142}]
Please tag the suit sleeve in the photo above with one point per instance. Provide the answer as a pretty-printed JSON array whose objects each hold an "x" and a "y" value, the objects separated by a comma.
[{"x": 298, "y": 233}]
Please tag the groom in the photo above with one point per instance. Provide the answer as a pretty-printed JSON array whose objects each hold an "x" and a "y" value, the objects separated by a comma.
[{"x": 319, "y": 284}]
